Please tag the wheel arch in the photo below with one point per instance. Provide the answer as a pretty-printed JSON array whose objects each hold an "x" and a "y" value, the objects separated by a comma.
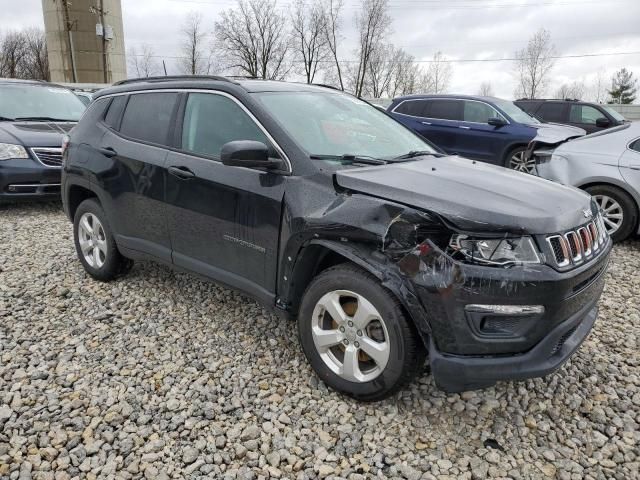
[
  {"x": 76, "y": 194},
  {"x": 625, "y": 187}
]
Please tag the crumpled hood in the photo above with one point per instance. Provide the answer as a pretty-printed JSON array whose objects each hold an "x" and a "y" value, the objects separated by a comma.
[
  {"x": 474, "y": 196},
  {"x": 553, "y": 133},
  {"x": 35, "y": 134}
]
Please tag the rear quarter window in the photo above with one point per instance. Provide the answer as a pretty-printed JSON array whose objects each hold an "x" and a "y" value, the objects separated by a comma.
[
  {"x": 115, "y": 111},
  {"x": 148, "y": 117}
]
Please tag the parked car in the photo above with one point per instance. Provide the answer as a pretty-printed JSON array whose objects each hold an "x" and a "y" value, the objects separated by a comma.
[
  {"x": 483, "y": 128},
  {"x": 85, "y": 97},
  {"x": 327, "y": 210},
  {"x": 591, "y": 117},
  {"x": 34, "y": 117},
  {"x": 607, "y": 165}
]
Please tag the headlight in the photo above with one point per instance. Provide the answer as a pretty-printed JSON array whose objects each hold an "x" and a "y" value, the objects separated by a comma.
[
  {"x": 556, "y": 157},
  {"x": 9, "y": 151},
  {"x": 495, "y": 252}
]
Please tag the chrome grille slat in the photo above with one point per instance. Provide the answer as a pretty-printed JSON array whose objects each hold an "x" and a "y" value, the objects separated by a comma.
[
  {"x": 50, "y": 157},
  {"x": 579, "y": 245}
]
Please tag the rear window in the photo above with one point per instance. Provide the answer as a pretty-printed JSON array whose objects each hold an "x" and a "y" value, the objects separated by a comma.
[
  {"x": 552, "y": 112},
  {"x": 148, "y": 117},
  {"x": 446, "y": 109},
  {"x": 415, "y": 108}
]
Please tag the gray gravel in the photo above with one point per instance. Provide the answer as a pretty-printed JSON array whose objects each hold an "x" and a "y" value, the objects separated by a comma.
[{"x": 160, "y": 375}]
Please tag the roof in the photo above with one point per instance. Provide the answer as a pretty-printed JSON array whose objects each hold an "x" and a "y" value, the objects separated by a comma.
[
  {"x": 35, "y": 83},
  {"x": 417, "y": 96}
]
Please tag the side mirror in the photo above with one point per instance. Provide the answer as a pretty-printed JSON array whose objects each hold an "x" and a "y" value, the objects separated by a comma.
[
  {"x": 602, "y": 122},
  {"x": 497, "y": 122},
  {"x": 247, "y": 153}
]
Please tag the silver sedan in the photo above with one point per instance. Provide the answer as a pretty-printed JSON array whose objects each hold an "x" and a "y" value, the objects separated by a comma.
[{"x": 607, "y": 165}]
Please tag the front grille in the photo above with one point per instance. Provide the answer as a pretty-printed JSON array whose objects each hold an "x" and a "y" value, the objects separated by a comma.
[
  {"x": 561, "y": 341},
  {"x": 578, "y": 246},
  {"x": 51, "y": 157}
]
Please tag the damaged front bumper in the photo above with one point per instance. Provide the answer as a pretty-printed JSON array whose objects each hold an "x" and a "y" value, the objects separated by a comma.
[{"x": 488, "y": 324}]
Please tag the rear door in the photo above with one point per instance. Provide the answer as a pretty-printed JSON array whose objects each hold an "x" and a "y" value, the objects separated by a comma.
[
  {"x": 480, "y": 140},
  {"x": 443, "y": 123},
  {"x": 130, "y": 169},
  {"x": 553, "y": 112},
  {"x": 224, "y": 221}
]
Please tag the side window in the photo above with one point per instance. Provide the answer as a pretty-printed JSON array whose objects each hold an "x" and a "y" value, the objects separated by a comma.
[
  {"x": 479, "y": 112},
  {"x": 415, "y": 108},
  {"x": 148, "y": 117},
  {"x": 635, "y": 145},
  {"x": 551, "y": 112},
  {"x": 585, "y": 114},
  {"x": 212, "y": 120},
  {"x": 446, "y": 109},
  {"x": 115, "y": 111}
]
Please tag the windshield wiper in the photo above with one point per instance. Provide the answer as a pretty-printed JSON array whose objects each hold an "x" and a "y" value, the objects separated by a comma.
[
  {"x": 350, "y": 158},
  {"x": 6, "y": 119},
  {"x": 418, "y": 153},
  {"x": 44, "y": 119}
]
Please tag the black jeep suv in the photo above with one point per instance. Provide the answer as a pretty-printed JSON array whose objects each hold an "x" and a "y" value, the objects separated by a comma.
[
  {"x": 326, "y": 209},
  {"x": 34, "y": 117}
]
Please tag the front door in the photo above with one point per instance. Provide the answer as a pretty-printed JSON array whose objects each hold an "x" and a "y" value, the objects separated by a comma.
[
  {"x": 481, "y": 140},
  {"x": 224, "y": 221}
]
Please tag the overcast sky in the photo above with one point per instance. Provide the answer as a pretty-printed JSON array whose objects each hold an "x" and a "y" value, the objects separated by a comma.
[{"x": 461, "y": 29}]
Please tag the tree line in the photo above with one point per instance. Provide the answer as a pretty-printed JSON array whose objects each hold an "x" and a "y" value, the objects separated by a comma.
[{"x": 23, "y": 54}]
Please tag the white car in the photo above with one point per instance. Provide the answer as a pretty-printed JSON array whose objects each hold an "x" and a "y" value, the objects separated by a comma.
[{"x": 607, "y": 165}]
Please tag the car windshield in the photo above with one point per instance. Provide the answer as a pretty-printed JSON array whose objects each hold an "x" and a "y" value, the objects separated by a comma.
[
  {"x": 39, "y": 101},
  {"x": 613, "y": 113},
  {"x": 334, "y": 124},
  {"x": 513, "y": 111}
]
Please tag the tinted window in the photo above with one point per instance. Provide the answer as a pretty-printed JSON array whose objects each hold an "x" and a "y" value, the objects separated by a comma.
[
  {"x": 148, "y": 117},
  {"x": 115, "y": 111},
  {"x": 551, "y": 112},
  {"x": 635, "y": 145},
  {"x": 479, "y": 112},
  {"x": 585, "y": 114},
  {"x": 24, "y": 101},
  {"x": 417, "y": 108},
  {"x": 445, "y": 109},
  {"x": 212, "y": 120}
]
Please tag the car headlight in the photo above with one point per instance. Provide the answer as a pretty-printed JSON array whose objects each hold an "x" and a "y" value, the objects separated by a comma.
[
  {"x": 495, "y": 252},
  {"x": 9, "y": 151}
]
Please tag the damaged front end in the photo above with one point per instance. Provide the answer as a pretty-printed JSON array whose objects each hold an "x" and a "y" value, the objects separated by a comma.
[{"x": 548, "y": 138}]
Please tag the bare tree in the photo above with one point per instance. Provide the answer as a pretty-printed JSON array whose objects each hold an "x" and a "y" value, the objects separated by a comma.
[
  {"x": 438, "y": 75},
  {"x": 36, "y": 59},
  {"x": 142, "y": 62},
  {"x": 332, "y": 27},
  {"x": 598, "y": 90},
  {"x": 392, "y": 72},
  {"x": 308, "y": 37},
  {"x": 373, "y": 23},
  {"x": 573, "y": 90},
  {"x": 12, "y": 50},
  {"x": 194, "y": 60},
  {"x": 252, "y": 37},
  {"x": 485, "y": 90},
  {"x": 533, "y": 64},
  {"x": 407, "y": 76}
]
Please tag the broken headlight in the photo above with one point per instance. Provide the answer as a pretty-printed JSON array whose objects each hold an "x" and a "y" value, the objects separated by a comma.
[{"x": 495, "y": 252}]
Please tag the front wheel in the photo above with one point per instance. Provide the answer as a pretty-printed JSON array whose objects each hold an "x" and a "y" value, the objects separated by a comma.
[
  {"x": 619, "y": 211},
  {"x": 356, "y": 336},
  {"x": 517, "y": 160}
]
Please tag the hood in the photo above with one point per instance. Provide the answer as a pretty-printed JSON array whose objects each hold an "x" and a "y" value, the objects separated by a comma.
[
  {"x": 35, "y": 134},
  {"x": 553, "y": 133},
  {"x": 474, "y": 196}
]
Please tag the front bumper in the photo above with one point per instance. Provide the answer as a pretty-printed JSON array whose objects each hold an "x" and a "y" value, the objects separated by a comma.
[
  {"x": 471, "y": 348},
  {"x": 28, "y": 179}
]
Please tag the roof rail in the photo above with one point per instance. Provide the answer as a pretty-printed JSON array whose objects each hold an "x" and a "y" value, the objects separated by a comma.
[
  {"x": 325, "y": 86},
  {"x": 174, "y": 77}
]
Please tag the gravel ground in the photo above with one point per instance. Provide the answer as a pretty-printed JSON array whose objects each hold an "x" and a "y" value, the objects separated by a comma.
[{"x": 160, "y": 375}]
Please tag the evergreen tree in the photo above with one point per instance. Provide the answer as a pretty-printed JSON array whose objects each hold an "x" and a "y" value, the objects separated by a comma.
[{"x": 623, "y": 88}]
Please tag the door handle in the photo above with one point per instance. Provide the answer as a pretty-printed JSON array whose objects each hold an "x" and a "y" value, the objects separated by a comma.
[
  {"x": 183, "y": 173},
  {"x": 464, "y": 128},
  {"x": 634, "y": 167},
  {"x": 426, "y": 123},
  {"x": 107, "y": 151}
]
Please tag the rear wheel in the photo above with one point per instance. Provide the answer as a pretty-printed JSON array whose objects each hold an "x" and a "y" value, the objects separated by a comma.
[
  {"x": 516, "y": 160},
  {"x": 356, "y": 336},
  {"x": 95, "y": 245},
  {"x": 619, "y": 211}
]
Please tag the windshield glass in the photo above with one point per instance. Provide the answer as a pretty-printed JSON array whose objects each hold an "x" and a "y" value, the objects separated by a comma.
[
  {"x": 17, "y": 101},
  {"x": 335, "y": 124},
  {"x": 513, "y": 111},
  {"x": 613, "y": 113}
]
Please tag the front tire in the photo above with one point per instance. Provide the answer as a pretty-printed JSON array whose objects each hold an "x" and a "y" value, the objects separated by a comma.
[
  {"x": 356, "y": 336},
  {"x": 515, "y": 160},
  {"x": 619, "y": 211},
  {"x": 95, "y": 244}
]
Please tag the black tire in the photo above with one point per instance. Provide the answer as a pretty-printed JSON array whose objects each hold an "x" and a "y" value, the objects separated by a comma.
[
  {"x": 114, "y": 263},
  {"x": 406, "y": 354},
  {"x": 510, "y": 154},
  {"x": 629, "y": 209}
]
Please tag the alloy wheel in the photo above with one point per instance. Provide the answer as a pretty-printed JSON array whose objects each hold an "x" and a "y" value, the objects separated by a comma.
[
  {"x": 519, "y": 163},
  {"x": 92, "y": 239},
  {"x": 350, "y": 336},
  {"x": 612, "y": 212}
]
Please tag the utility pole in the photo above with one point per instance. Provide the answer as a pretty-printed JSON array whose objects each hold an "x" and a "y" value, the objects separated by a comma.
[
  {"x": 68, "y": 26},
  {"x": 104, "y": 44}
]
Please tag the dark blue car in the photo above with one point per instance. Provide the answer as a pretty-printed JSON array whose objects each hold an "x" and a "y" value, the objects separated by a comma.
[{"x": 483, "y": 128}]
